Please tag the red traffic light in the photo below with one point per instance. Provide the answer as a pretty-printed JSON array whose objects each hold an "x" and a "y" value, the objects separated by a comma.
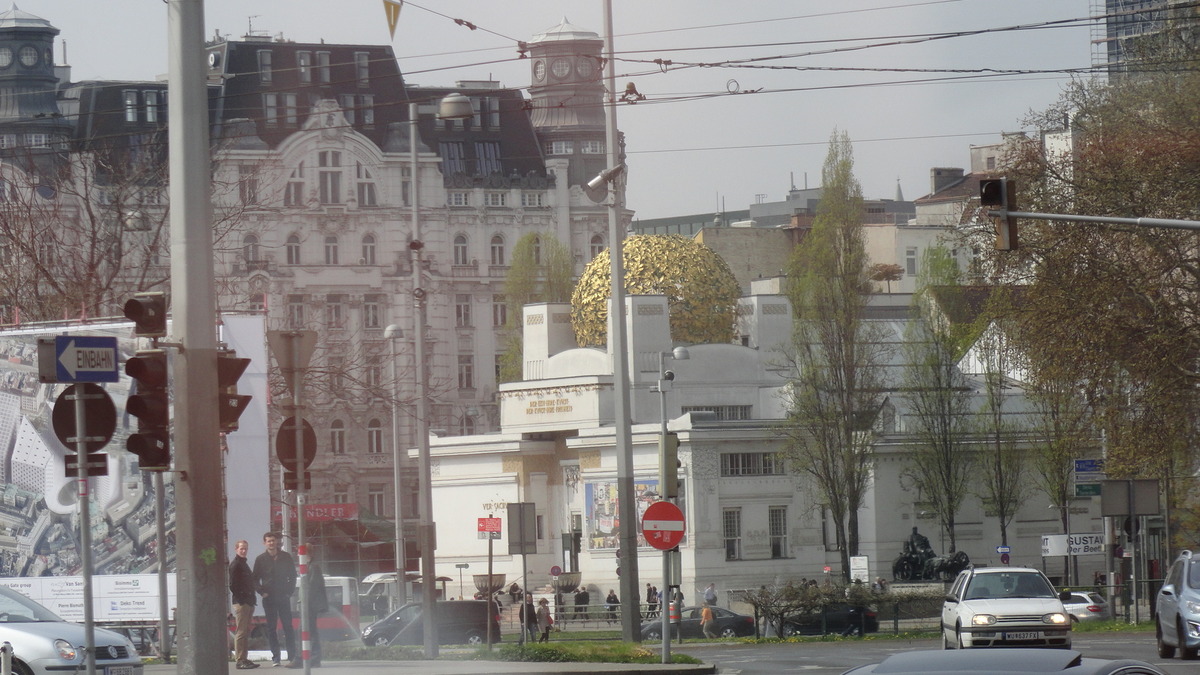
[{"x": 230, "y": 404}]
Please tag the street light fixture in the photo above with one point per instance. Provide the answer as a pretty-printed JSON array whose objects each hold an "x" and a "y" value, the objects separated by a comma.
[
  {"x": 391, "y": 334},
  {"x": 664, "y": 378},
  {"x": 453, "y": 106}
]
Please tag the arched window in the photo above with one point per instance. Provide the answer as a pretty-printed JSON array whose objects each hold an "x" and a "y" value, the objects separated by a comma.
[
  {"x": 498, "y": 250},
  {"x": 596, "y": 247},
  {"x": 257, "y": 302},
  {"x": 368, "y": 249},
  {"x": 374, "y": 437},
  {"x": 331, "y": 250},
  {"x": 292, "y": 246},
  {"x": 250, "y": 252},
  {"x": 337, "y": 437},
  {"x": 537, "y": 250},
  {"x": 460, "y": 250}
]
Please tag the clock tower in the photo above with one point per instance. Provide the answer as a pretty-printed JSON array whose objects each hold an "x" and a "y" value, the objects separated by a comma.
[{"x": 30, "y": 121}]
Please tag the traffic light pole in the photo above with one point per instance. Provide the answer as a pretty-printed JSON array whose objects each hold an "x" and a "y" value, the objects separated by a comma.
[
  {"x": 1167, "y": 223},
  {"x": 85, "y": 528}
]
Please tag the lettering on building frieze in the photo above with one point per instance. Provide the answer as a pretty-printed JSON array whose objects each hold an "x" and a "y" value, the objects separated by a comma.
[{"x": 548, "y": 406}]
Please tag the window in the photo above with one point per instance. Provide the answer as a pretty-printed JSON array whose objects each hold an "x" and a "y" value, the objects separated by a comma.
[
  {"x": 751, "y": 464},
  {"x": 405, "y": 185},
  {"x": 497, "y": 250},
  {"x": 722, "y": 412},
  {"x": 466, "y": 371},
  {"x": 295, "y": 311},
  {"x": 460, "y": 250},
  {"x": 341, "y": 495},
  {"x": 257, "y": 302},
  {"x": 290, "y": 115},
  {"x": 271, "y": 108},
  {"x": 368, "y": 249},
  {"x": 248, "y": 185},
  {"x": 337, "y": 437},
  {"x": 250, "y": 251},
  {"x": 337, "y": 373},
  {"x": 366, "y": 193},
  {"x": 335, "y": 311},
  {"x": 304, "y": 66},
  {"x": 346, "y": 101},
  {"x": 596, "y": 246},
  {"x": 487, "y": 157},
  {"x": 362, "y": 68},
  {"x": 374, "y": 372},
  {"x": 330, "y": 174},
  {"x": 499, "y": 311},
  {"x": 37, "y": 140},
  {"x": 458, "y": 198},
  {"x": 910, "y": 260},
  {"x": 537, "y": 250},
  {"x": 777, "y": 531},
  {"x": 731, "y": 521},
  {"x": 592, "y": 147},
  {"x": 293, "y": 194},
  {"x": 131, "y": 105},
  {"x": 323, "y": 67},
  {"x": 533, "y": 199},
  {"x": 375, "y": 501},
  {"x": 367, "y": 108},
  {"x": 559, "y": 148},
  {"x": 8, "y": 141},
  {"x": 495, "y": 198},
  {"x": 331, "y": 250},
  {"x": 374, "y": 437},
  {"x": 292, "y": 248},
  {"x": 462, "y": 309},
  {"x": 151, "y": 98},
  {"x": 492, "y": 111},
  {"x": 371, "y": 312},
  {"x": 454, "y": 159},
  {"x": 264, "y": 65}
]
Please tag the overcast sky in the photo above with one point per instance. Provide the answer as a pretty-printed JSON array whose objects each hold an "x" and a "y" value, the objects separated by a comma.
[{"x": 693, "y": 146}]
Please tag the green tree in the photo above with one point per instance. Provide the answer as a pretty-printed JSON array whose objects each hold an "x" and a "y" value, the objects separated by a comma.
[
  {"x": 542, "y": 270},
  {"x": 835, "y": 354},
  {"x": 1003, "y": 484}
]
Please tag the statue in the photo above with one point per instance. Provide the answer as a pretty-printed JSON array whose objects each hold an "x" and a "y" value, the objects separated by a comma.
[{"x": 918, "y": 561}]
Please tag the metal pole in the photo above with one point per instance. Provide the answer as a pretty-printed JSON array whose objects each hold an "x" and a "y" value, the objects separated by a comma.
[
  {"x": 200, "y": 528},
  {"x": 160, "y": 527},
  {"x": 426, "y": 533},
  {"x": 85, "y": 528},
  {"x": 623, "y": 436},
  {"x": 665, "y": 604},
  {"x": 490, "y": 592},
  {"x": 392, "y": 333}
]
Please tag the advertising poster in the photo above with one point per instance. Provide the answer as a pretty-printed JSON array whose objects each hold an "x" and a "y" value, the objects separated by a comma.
[{"x": 603, "y": 518}]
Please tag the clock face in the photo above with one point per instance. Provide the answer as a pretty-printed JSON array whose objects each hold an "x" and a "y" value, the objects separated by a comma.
[
  {"x": 560, "y": 67},
  {"x": 585, "y": 67},
  {"x": 5, "y": 57},
  {"x": 539, "y": 71},
  {"x": 29, "y": 55}
]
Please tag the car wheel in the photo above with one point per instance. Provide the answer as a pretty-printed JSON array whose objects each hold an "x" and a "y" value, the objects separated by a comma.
[
  {"x": 728, "y": 632},
  {"x": 1165, "y": 650},
  {"x": 19, "y": 668},
  {"x": 1186, "y": 653},
  {"x": 654, "y": 634},
  {"x": 958, "y": 642},
  {"x": 946, "y": 641},
  {"x": 380, "y": 641},
  {"x": 474, "y": 638}
]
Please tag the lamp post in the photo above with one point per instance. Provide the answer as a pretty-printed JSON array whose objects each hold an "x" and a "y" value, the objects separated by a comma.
[
  {"x": 391, "y": 334},
  {"x": 454, "y": 106},
  {"x": 664, "y": 377}
]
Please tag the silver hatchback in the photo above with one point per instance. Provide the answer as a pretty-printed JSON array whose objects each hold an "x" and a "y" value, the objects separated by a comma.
[
  {"x": 1087, "y": 606},
  {"x": 44, "y": 644},
  {"x": 1177, "y": 619}
]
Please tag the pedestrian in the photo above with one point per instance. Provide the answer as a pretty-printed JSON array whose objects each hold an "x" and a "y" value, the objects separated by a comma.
[
  {"x": 528, "y": 616},
  {"x": 582, "y": 599},
  {"x": 241, "y": 587},
  {"x": 513, "y": 591},
  {"x": 610, "y": 605},
  {"x": 706, "y": 621},
  {"x": 710, "y": 595},
  {"x": 275, "y": 580},
  {"x": 544, "y": 620},
  {"x": 318, "y": 604},
  {"x": 651, "y": 600}
]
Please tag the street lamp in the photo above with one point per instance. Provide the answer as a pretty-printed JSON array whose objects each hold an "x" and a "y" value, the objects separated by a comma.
[
  {"x": 664, "y": 378},
  {"x": 453, "y": 106},
  {"x": 391, "y": 334}
]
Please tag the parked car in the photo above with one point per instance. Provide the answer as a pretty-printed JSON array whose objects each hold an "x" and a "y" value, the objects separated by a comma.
[
  {"x": 1087, "y": 606},
  {"x": 43, "y": 643},
  {"x": 1004, "y": 662},
  {"x": 1004, "y": 606},
  {"x": 840, "y": 618},
  {"x": 1178, "y": 609},
  {"x": 729, "y": 624},
  {"x": 458, "y": 622}
]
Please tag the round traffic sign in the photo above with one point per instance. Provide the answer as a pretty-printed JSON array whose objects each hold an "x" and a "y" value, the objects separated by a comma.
[
  {"x": 662, "y": 525},
  {"x": 555, "y": 571},
  {"x": 100, "y": 416},
  {"x": 286, "y": 446},
  {"x": 1004, "y": 558}
]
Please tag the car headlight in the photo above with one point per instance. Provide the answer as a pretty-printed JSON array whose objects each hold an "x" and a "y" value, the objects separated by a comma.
[
  {"x": 1055, "y": 618},
  {"x": 983, "y": 620},
  {"x": 65, "y": 650},
  {"x": 1193, "y": 607}
]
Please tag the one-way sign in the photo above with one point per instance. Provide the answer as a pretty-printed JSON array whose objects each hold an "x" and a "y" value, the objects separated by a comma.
[{"x": 77, "y": 358}]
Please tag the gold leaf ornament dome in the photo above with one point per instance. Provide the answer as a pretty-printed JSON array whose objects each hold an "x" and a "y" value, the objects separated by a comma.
[{"x": 701, "y": 291}]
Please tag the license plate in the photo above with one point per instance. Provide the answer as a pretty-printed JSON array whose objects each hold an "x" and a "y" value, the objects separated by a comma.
[
  {"x": 118, "y": 670},
  {"x": 1022, "y": 635}
]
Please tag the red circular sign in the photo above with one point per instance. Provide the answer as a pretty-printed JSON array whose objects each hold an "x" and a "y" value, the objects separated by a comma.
[{"x": 662, "y": 525}]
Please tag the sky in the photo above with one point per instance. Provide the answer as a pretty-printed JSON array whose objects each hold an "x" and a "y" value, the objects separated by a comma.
[{"x": 708, "y": 137}]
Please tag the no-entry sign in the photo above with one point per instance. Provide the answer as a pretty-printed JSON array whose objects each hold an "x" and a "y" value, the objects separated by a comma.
[{"x": 663, "y": 525}]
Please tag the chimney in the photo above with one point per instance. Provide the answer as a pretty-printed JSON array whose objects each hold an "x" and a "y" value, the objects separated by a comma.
[{"x": 942, "y": 177}]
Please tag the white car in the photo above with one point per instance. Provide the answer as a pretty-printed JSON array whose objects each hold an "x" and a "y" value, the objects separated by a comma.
[
  {"x": 44, "y": 644},
  {"x": 1004, "y": 606}
]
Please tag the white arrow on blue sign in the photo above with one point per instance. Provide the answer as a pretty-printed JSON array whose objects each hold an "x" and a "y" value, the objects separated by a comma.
[
  {"x": 85, "y": 358},
  {"x": 1003, "y": 549}
]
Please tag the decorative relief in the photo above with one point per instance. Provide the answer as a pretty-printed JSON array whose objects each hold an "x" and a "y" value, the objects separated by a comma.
[
  {"x": 650, "y": 310},
  {"x": 589, "y": 459},
  {"x": 511, "y": 464},
  {"x": 775, "y": 309},
  {"x": 706, "y": 462},
  {"x": 535, "y": 319}
]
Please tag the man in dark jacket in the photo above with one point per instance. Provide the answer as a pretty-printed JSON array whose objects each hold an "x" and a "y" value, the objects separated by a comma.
[
  {"x": 275, "y": 580},
  {"x": 241, "y": 586}
]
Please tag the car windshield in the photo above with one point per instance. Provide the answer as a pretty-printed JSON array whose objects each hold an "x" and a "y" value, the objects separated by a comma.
[
  {"x": 1008, "y": 585},
  {"x": 16, "y": 608}
]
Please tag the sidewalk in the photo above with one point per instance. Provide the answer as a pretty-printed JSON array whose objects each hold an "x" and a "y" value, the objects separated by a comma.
[{"x": 468, "y": 668}]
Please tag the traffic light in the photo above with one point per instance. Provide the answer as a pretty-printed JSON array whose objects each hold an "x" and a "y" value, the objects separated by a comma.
[
  {"x": 149, "y": 403},
  {"x": 1001, "y": 195},
  {"x": 412, "y": 555},
  {"x": 668, "y": 465},
  {"x": 148, "y": 312},
  {"x": 230, "y": 404}
]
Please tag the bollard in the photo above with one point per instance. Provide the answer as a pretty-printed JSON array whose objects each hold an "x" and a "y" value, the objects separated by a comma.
[{"x": 6, "y": 651}]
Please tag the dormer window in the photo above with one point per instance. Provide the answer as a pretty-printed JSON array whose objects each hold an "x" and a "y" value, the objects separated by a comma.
[{"x": 264, "y": 65}]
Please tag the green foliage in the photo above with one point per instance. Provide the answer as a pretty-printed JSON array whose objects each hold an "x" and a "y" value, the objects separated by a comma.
[
  {"x": 541, "y": 270},
  {"x": 594, "y": 652}
]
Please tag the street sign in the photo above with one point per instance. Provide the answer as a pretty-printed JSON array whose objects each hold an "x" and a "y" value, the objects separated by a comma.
[
  {"x": 1003, "y": 549},
  {"x": 555, "y": 571},
  {"x": 1004, "y": 558},
  {"x": 662, "y": 525},
  {"x": 293, "y": 350},
  {"x": 1089, "y": 466},
  {"x": 100, "y": 416},
  {"x": 97, "y": 465},
  {"x": 1087, "y": 489},
  {"x": 285, "y": 446},
  {"x": 489, "y": 528},
  {"x": 77, "y": 358}
]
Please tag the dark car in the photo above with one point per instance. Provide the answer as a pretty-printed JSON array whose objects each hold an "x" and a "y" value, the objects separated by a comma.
[
  {"x": 729, "y": 624},
  {"x": 458, "y": 622},
  {"x": 1004, "y": 662},
  {"x": 840, "y": 618}
]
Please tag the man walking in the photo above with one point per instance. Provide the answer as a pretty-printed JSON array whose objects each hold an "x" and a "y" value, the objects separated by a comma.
[
  {"x": 275, "y": 580},
  {"x": 241, "y": 587}
]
